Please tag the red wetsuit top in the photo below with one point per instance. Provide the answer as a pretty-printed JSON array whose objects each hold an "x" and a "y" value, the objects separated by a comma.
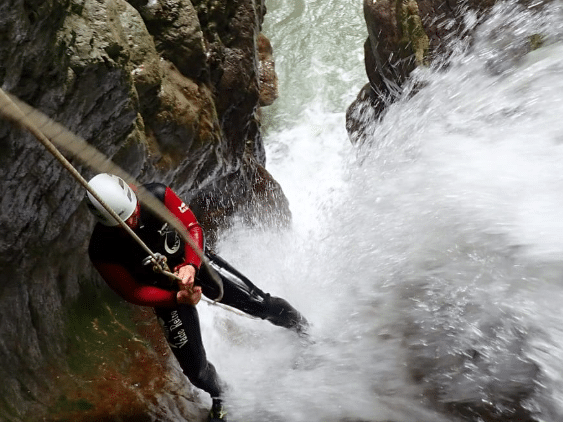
[{"x": 118, "y": 257}]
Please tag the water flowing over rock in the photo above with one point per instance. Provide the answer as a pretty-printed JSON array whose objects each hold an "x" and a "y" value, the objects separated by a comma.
[
  {"x": 403, "y": 35},
  {"x": 465, "y": 380},
  {"x": 170, "y": 91}
]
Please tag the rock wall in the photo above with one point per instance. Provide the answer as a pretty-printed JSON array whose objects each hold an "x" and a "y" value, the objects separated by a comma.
[
  {"x": 402, "y": 35},
  {"x": 170, "y": 91}
]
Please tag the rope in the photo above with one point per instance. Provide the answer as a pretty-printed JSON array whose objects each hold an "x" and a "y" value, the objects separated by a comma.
[
  {"x": 44, "y": 130},
  {"x": 211, "y": 302}
]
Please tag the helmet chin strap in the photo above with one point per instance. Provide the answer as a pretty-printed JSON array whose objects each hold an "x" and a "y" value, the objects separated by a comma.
[{"x": 41, "y": 126}]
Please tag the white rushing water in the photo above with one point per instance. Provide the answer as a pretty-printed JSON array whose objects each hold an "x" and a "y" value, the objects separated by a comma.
[{"x": 430, "y": 265}]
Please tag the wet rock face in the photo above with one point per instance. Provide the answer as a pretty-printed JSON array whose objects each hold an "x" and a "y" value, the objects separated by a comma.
[
  {"x": 403, "y": 35},
  {"x": 169, "y": 90},
  {"x": 177, "y": 33},
  {"x": 267, "y": 67}
]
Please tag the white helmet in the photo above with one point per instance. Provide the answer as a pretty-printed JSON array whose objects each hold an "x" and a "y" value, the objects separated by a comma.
[{"x": 115, "y": 193}]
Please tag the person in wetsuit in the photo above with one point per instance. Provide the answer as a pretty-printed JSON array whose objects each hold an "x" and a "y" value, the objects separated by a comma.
[{"x": 122, "y": 263}]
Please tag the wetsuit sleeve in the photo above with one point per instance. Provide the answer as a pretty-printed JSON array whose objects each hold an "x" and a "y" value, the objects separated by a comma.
[
  {"x": 124, "y": 284},
  {"x": 188, "y": 219}
]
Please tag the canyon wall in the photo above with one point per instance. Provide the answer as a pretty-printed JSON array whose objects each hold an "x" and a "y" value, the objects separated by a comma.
[{"x": 171, "y": 92}]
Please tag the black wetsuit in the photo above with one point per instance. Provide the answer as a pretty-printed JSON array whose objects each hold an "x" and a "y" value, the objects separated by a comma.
[{"x": 119, "y": 258}]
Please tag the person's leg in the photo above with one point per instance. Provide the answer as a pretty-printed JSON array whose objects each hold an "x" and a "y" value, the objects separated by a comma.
[
  {"x": 240, "y": 293},
  {"x": 181, "y": 327}
]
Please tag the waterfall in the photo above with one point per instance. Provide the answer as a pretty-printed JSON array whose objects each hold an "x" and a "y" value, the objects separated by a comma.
[{"x": 429, "y": 261}]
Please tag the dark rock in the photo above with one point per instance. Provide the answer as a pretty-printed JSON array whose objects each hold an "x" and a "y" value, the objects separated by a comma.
[
  {"x": 177, "y": 33},
  {"x": 169, "y": 93},
  {"x": 403, "y": 35},
  {"x": 267, "y": 68},
  {"x": 213, "y": 206}
]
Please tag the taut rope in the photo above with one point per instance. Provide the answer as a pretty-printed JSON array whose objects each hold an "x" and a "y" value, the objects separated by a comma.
[{"x": 47, "y": 132}]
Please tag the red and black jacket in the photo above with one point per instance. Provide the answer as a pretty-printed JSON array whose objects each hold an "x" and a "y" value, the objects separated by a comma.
[{"x": 119, "y": 258}]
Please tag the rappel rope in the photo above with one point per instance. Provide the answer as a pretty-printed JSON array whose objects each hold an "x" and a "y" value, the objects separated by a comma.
[{"x": 13, "y": 109}]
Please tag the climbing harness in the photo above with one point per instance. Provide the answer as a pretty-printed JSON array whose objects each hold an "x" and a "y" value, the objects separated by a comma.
[{"x": 47, "y": 132}]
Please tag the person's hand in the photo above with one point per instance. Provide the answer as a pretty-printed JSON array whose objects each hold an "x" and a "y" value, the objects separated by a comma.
[
  {"x": 187, "y": 274},
  {"x": 189, "y": 297},
  {"x": 188, "y": 293}
]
